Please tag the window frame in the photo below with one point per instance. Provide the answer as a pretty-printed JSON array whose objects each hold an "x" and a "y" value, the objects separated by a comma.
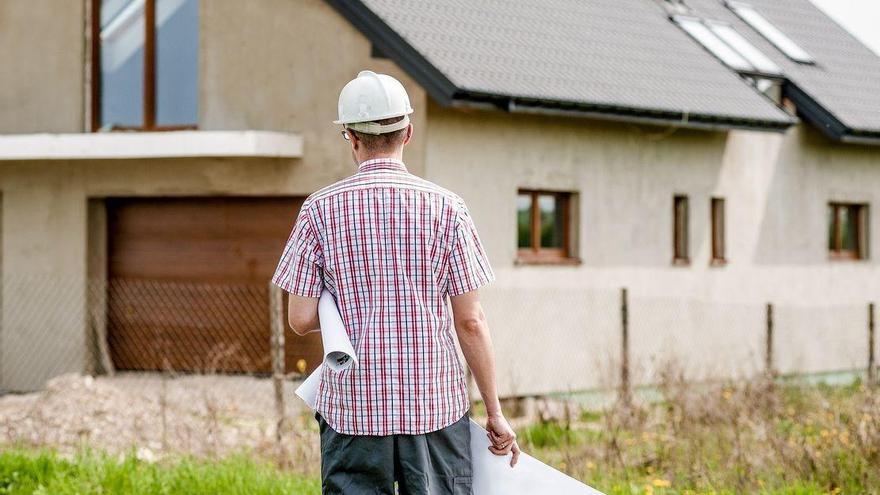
[
  {"x": 861, "y": 224},
  {"x": 681, "y": 231},
  {"x": 150, "y": 83},
  {"x": 718, "y": 220},
  {"x": 541, "y": 255}
]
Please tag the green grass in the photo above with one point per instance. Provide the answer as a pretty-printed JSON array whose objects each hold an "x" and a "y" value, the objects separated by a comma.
[{"x": 44, "y": 472}]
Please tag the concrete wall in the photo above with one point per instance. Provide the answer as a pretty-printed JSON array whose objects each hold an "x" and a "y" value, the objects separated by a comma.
[
  {"x": 42, "y": 52},
  {"x": 269, "y": 64},
  {"x": 710, "y": 318},
  {"x": 279, "y": 65}
]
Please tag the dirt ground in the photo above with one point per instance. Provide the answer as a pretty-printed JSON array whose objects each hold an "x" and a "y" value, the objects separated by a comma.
[{"x": 205, "y": 416}]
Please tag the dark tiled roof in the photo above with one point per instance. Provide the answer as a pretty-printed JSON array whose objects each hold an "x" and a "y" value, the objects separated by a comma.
[
  {"x": 844, "y": 82},
  {"x": 608, "y": 57}
]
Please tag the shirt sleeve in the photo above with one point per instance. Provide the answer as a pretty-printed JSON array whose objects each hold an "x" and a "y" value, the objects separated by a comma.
[
  {"x": 300, "y": 270},
  {"x": 469, "y": 266}
]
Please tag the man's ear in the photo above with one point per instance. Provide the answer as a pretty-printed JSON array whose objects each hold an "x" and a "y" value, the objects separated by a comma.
[
  {"x": 355, "y": 142},
  {"x": 409, "y": 134}
]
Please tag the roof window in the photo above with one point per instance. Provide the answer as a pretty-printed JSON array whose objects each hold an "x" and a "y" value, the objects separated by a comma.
[
  {"x": 728, "y": 45},
  {"x": 773, "y": 34}
]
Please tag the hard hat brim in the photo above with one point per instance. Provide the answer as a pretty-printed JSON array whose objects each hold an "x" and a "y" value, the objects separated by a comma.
[{"x": 373, "y": 118}]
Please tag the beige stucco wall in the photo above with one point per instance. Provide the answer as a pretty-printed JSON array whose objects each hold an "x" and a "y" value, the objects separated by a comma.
[
  {"x": 709, "y": 318},
  {"x": 258, "y": 69},
  {"x": 279, "y": 65},
  {"x": 41, "y": 53}
]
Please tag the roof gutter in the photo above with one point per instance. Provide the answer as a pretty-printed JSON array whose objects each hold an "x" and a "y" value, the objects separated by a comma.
[
  {"x": 615, "y": 113},
  {"x": 678, "y": 119},
  {"x": 827, "y": 123}
]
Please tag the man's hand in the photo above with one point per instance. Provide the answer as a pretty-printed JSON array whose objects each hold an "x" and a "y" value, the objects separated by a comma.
[{"x": 502, "y": 438}]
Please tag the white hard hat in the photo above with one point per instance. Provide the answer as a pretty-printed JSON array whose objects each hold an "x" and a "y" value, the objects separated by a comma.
[{"x": 370, "y": 97}]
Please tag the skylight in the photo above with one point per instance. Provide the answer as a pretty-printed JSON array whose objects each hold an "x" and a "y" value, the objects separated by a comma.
[
  {"x": 757, "y": 21},
  {"x": 719, "y": 48},
  {"x": 737, "y": 42},
  {"x": 728, "y": 45}
]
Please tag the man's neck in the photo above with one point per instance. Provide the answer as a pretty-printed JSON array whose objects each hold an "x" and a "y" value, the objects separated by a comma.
[{"x": 398, "y": 155}]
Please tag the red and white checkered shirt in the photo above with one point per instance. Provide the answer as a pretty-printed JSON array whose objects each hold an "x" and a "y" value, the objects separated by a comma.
[{"x": 391, "y": 247}]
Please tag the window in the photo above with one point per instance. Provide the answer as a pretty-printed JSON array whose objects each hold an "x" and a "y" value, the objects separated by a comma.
[
  {"x": 543, "y": 226},
  {"x": 719, "y": 48},
  {"x": 145, "y": 64},
  {"x": 717, "y": 212},
  {"x": 723, "y": 41},
  {"x": 680, "y": 230},
  {"x": 848, "y": 231},
  {"x": 779, "y": 39},
  {"x": 756, "y": 57}
]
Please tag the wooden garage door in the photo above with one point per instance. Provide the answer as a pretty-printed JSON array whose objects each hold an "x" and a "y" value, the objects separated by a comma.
[{"x": 188, "y": 286}]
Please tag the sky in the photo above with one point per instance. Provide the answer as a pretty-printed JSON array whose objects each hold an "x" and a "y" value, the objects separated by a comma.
[{"x": 859, "y": 17}]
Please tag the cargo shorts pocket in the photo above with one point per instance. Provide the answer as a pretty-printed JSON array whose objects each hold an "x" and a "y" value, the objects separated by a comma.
[{"x": 461, "y": 485}]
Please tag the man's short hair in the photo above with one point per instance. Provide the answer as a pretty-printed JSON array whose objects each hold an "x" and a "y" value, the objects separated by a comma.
[{"x": 382, "y": 142}]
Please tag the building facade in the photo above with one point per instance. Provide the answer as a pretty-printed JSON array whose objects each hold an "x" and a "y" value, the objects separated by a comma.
[{"x": 150, "y": 176}]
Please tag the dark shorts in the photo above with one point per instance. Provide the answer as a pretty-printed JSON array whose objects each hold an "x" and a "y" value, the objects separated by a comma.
[{"x": 435, "y": 463}]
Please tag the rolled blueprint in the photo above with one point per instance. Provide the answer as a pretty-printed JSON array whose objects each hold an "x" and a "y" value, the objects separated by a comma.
[
  {"x": 492, "y": 474},
  {"x": 338, "y": 351}
]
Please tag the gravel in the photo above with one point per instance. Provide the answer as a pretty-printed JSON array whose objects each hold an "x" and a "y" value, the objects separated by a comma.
[{"x": 199, "y": 415}]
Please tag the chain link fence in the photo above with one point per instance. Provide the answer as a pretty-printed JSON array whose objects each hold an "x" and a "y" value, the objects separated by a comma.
[{"x": 207, "y": 367}]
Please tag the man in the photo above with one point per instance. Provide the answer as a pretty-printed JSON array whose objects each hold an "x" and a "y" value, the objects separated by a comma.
[{"x": 392, "y": 247}]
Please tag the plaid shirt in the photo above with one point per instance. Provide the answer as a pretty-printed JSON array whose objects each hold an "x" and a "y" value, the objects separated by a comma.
[{"x": 390, "y": 246}]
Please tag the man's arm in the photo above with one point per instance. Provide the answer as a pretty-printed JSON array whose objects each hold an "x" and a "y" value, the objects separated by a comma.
[
  {"x": 302, "y": 314},
  {"x": 476, "y": 345}
]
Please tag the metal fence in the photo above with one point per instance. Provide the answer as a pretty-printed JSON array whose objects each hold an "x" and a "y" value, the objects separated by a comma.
[
  {"x": 220, "y": 353},
  {"x": 547, "y": 340},
  {"x": 565, "y": 341}
]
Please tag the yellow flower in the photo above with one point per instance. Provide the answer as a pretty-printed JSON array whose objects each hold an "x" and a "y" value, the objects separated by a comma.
[{"x": 661, "y": 483}]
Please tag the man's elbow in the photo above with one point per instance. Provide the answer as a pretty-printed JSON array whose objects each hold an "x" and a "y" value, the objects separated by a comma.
[
  {"x": 299, "y": 325},
  {"x": 473, "y": 324}
]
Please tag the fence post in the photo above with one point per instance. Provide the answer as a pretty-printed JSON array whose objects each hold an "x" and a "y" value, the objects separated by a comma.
[
  {"x": 768, "y": 344},
  {"x": 276, "y": 319},
  {"x": 625, "y": 387},
  {"x": 872, "y": 369}
]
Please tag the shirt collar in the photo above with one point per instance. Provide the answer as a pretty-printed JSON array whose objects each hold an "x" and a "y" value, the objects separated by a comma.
[{"x": 381, "y": 163}]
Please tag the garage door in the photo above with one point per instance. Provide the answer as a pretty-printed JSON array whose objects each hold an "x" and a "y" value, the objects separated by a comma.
[{"x": 188, "y": 286}]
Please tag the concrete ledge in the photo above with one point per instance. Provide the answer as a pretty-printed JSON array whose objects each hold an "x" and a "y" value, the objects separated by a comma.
[{"x": 170, "y": 144}]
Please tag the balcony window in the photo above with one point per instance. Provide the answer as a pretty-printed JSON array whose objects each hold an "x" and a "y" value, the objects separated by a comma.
[{"x": 145, "y": 64}]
